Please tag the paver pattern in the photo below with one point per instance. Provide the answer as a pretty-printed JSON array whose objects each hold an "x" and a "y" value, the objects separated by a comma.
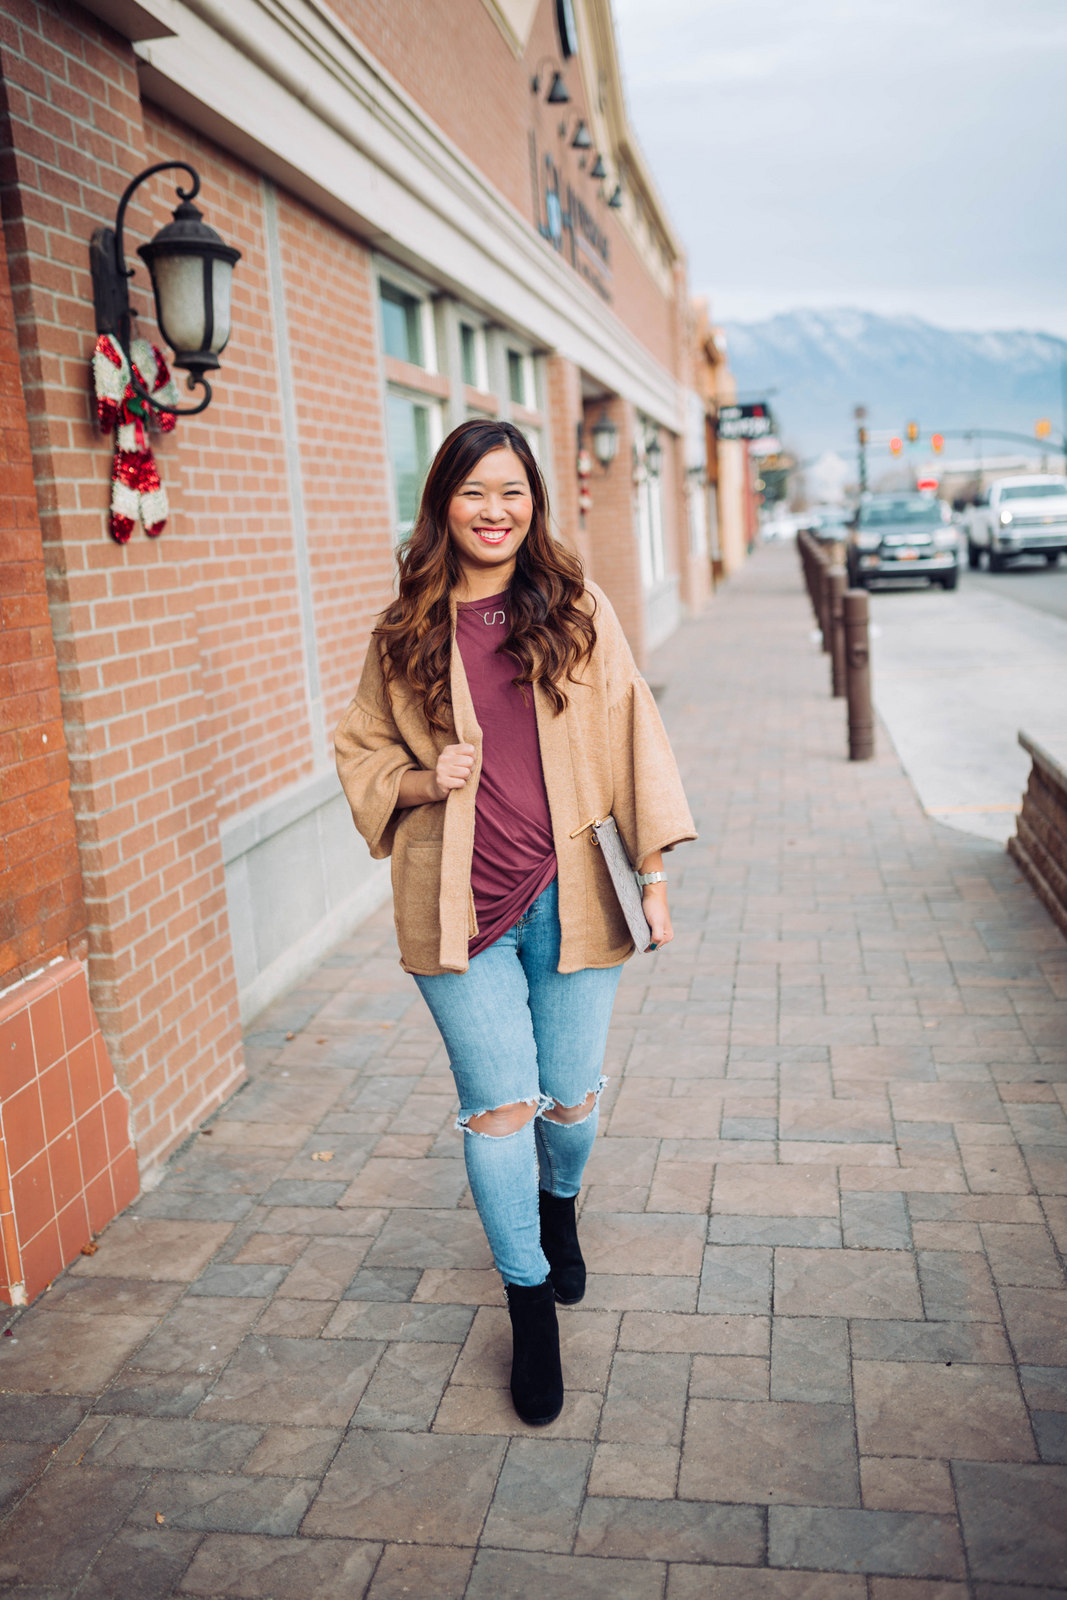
[{"x": 823, "y": 1355}]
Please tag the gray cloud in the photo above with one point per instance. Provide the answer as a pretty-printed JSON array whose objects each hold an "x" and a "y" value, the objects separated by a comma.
[{"x": 904, "y": 156}]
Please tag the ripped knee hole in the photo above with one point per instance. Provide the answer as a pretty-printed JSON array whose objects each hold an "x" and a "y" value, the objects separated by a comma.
[
  {"x": 502, "y": 1120},
  {"x": 565, "y": 1114}
]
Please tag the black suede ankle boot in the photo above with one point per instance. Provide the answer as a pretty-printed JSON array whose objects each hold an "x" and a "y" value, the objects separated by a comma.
[
  {"x": 559, "y": 1241},
  {"x": 536, "y": 1375}
]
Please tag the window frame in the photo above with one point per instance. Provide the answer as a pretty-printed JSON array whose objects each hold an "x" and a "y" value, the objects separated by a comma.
[
  {"x": 651, "y": 540},
  {"x": 434, "y": 408},
  {"x": 480, "y": 380},
  {"x": 417, "y": 289},
  {"x": 527, "y": 368}
]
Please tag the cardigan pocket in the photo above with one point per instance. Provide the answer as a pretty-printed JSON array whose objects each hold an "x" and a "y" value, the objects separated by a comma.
[{"x": 416, "y": 874}]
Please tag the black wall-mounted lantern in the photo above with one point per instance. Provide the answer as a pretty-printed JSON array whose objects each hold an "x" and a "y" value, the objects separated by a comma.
[
  {"x": 557, "y": 90},
  {"x": 605, "y": 437},
  {"x": 191, "y": 269},
  {"x": 653, "y": 452}
]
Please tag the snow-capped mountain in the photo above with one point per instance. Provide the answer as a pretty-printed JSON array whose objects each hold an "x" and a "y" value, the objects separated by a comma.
[{"x": 823, "y": 363}]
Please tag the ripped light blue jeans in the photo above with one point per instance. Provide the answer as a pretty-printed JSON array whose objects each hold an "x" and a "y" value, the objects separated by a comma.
[{"x": 519, "y": 1032}]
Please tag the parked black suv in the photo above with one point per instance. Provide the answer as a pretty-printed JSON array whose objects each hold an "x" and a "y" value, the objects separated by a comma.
[{"x": 905, "y": 535}]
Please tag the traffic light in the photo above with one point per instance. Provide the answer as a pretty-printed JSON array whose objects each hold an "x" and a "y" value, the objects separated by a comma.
[
  {"x": 913, "y": 432},
  {"x": 1042, "y": 427},
  {"x": 937, "y": 443},
  {"x": 896, "y": 445},
  {"x": 862, "y": 435}
]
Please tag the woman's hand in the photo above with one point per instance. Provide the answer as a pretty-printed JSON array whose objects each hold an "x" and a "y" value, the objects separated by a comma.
[
  {"x": 654, "y": 904},
  {"x": 454, "y": 766},
  {"x": 657, "y": 914}
]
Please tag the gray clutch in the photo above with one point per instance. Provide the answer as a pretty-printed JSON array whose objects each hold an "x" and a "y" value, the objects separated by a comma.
[{"x": 623, "y": 880}]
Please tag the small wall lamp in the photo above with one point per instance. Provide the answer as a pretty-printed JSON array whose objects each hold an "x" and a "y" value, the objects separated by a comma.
[
  {"x": 605, "y": 436},
  {"x": 557, "y": 90},
  {"x": 191, "y": 270},
  {"x": 653, "y": 452}
]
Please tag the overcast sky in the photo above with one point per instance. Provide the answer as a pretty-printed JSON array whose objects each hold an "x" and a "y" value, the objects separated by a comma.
[{"x": 898, "y": 155}]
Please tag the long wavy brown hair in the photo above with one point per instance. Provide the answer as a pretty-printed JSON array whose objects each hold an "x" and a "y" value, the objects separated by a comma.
[{"x": 550, "y": 634}]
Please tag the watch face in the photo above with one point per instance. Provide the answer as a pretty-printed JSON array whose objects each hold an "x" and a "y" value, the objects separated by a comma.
[{"x": 568, "y": 33}]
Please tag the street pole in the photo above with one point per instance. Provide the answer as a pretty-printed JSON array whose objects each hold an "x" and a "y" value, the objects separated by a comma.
[{"x": 860, "y": 414}]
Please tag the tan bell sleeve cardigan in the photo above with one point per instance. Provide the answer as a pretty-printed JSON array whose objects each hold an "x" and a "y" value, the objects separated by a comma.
[{"x": 607, "y": 753}]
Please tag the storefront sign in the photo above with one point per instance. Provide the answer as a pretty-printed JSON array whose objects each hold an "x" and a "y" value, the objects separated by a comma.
[
  {"x": 751, "y": 421},
  {"x": 571, "y": 227}
]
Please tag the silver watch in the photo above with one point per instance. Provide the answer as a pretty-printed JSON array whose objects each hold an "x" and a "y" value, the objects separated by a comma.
[{"x": 650, "y": 877}]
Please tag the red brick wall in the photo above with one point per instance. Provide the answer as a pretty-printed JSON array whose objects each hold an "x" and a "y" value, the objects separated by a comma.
[
  {"x": 611, "y": 526},
  {"x": 333, "y": 335},
  {"x": 125, "y": 620},
  {"x": 233, "y": 512},
  {"x": 231, "y": 533},
  {"x": 452, "y": 58},
  {"x": 40, "y": 880}
]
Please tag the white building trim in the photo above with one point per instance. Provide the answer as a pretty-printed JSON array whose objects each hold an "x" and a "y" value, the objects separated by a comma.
[{"x": 286, "y": 86}]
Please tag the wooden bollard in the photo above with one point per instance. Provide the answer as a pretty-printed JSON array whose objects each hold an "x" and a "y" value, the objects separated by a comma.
[
  {"x": 823, "y": 610},
  {"x": 858, "y": 674},
  {"x": 838, "y": 585},
  {"x": 805, "y": 563}
]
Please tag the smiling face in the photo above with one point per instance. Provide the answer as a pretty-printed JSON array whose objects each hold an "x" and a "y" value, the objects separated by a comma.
[{"x": 488, "y": 518}]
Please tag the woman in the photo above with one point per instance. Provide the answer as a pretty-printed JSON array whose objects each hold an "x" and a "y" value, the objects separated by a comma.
[{"x": 499, "y": 713}]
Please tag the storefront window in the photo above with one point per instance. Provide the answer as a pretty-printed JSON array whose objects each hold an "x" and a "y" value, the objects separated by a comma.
[
  {"x": 401, "y": 324},
  {"x": 519, "y": 385},
  {"x": 469, "y": 343},
  {"x": 649, "y": 517},
  {"x": 413, "y": 429}
]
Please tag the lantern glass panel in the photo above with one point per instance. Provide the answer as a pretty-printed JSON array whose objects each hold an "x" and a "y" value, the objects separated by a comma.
[
  {"x": 605, "y": 442},
  {"x": 221, "y": 287},
  {"x": 179, "y": 281}
]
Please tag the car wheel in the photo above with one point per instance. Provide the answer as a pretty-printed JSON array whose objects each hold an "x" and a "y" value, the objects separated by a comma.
[
  {"x": 950, "y": 580},
  {"x": 974, "y": 556},
  {"x": 997, "y": 561},
  {"x": 1051, "y": 557}
]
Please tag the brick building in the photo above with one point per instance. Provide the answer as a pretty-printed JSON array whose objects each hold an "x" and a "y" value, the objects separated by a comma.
[{"x": 425, "y": 235}]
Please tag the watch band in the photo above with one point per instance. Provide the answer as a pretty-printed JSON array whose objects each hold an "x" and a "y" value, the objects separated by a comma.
[{"x": 650, "y": 877}]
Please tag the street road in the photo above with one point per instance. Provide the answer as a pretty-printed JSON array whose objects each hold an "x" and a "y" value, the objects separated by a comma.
[
  {"x": 1031, "y": 584},
  {"x": 957, "y": 675}
]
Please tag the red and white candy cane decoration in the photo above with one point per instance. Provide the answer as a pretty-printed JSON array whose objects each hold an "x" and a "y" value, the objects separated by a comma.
[{"x": 136, "y": 490}]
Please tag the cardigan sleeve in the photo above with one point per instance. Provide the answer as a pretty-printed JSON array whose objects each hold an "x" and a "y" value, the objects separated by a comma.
[
  {"x": 372, "y": 758},
  {"x": 648, "y": 800},
  {"x": 649, "y": 803}
]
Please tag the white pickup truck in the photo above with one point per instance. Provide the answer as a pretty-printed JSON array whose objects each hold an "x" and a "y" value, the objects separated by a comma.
[{"x": 1023, "y": 516}]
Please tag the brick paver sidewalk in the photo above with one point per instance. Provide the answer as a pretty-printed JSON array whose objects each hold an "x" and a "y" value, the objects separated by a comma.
[{"x": 838, "y": 1098}]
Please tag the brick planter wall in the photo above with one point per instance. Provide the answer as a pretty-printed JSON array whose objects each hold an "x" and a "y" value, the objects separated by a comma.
[
  {"x": 1039, "y": 844},
  {"x": 67, "y": 1165}
]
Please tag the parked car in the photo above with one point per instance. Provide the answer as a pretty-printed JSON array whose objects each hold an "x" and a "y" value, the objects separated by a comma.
[
  {"x": 1021, "y": 516},
  {"x": 903, "y": 535}
]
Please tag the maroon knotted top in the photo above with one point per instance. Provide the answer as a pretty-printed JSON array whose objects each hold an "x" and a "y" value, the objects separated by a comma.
[{"x": 514, "y": 855}]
